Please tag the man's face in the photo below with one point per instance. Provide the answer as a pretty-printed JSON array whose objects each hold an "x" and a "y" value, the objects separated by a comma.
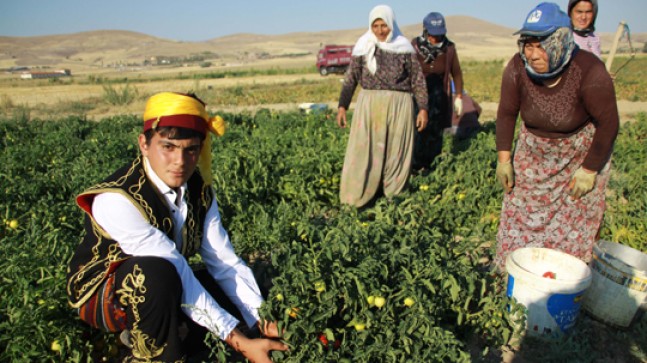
[
  {"x": 174, "y": 161},
  {"x": 582, "y": 15}
]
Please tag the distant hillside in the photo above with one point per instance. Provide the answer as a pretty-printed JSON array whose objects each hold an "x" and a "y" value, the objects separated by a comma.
[
  {"x": 90, "y": 48},
  {"x": 475, "y": 39}
]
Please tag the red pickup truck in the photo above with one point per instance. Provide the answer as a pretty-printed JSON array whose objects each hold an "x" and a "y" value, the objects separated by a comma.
[{"x": 333, "y": 59}]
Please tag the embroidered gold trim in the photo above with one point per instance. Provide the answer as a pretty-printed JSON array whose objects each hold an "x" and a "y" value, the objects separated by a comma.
[{"x": 132, "y": 293}]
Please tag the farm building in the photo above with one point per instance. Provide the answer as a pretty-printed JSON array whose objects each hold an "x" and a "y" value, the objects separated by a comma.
[{"x": 52, "y": 74}]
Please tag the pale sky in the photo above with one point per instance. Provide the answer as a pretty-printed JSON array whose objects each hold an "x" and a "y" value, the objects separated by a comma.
[{"x": 195, "y": 20}]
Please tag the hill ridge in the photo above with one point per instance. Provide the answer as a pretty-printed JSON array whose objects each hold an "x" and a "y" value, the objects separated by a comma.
[{"x": 475, "y": 39}]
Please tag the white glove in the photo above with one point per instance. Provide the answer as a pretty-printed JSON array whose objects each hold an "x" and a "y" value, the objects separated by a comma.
[{"x": 458, "y": 106}]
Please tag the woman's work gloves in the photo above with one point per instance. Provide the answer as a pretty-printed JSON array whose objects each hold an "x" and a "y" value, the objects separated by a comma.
[
  {"x": 458, "y": 106},
  {"x": 505, "y": 174},
  {"x": 582, "y": 182}
]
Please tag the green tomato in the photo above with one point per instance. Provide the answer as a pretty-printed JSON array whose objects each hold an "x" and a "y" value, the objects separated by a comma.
[
  {"x": 359, "y": 326},
  {"x": 320, "y": 286},
  {"x": 409, "y": 302},
  {"x": 379, "y": 302},
  {"x": 370, "y": 300}
]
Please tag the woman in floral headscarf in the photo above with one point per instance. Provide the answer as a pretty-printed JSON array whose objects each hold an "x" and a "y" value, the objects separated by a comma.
[
  {"x": 556, "y": 179},
  {"x": 380, "y": 145}
]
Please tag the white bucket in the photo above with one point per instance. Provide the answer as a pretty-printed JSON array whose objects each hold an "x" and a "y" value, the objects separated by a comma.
[
  {"x": 619, "y": 284},
  {"x": 552, "y": 302}
]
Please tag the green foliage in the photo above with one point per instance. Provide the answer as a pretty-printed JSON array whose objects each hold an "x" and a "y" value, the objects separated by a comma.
[
  {"x": 265, "y": 94},
  {"x": 119, "y": 96},
  {"x": 630, "y": 78},
  {"x": 6, "y": 103},
  {"x": 277, "y": 181},
  {"x": 44, "y": 164},
  {"x": 482, "y": 79},
  {"x": 625, "y": 220},
  {"x": 10, "y": 110},
  {"x": 237, "y": 73}
]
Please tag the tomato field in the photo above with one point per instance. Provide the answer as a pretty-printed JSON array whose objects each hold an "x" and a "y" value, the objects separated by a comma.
[{"x": 406, "y": 279}]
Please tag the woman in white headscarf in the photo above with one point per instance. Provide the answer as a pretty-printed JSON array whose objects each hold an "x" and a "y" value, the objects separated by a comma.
[{"x": 380, "y": 145}]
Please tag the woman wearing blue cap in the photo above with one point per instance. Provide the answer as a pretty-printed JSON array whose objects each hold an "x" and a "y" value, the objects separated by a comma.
[
  {"x": 439, "y": 61},
  {"x": 556, "y": 179}
]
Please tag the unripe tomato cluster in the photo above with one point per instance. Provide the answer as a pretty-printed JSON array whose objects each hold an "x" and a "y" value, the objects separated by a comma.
[
  {"x": 13, "y": 224},
  {"x": 377, "y": 301}
]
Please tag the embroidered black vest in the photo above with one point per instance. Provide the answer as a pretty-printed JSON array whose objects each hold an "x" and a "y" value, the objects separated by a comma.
[{"x": 98, "y": 254}]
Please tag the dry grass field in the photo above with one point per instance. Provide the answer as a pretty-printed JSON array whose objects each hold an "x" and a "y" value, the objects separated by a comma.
[{"x": 118, "y": 58}]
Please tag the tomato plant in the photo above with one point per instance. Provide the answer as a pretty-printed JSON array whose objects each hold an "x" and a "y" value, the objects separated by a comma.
[{"x": 406, "y": 279}]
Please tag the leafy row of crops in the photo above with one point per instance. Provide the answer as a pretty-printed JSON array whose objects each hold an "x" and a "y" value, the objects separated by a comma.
[{"x": 405, "y": 280}]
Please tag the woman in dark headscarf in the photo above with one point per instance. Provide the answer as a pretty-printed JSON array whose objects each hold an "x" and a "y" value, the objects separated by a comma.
[
  {"x": 556, "y": 180},
  {"x": 380, "y": 145},
  {"x": 439, "y": 60},
  {"x": 583, "y": 14}
]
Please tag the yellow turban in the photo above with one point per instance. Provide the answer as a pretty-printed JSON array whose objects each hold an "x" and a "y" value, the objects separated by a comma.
[{"x": 168, "y": 109}]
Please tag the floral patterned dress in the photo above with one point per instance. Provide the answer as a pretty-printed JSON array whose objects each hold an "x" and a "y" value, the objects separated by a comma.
[
  {"x": 539, "y": 211},
  {"x": 569, "y": 125}
]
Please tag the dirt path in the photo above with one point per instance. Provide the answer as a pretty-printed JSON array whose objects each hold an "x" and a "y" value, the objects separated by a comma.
[
  {"x": 48, "y": 95},
  {"x": 627, "y": 109}
]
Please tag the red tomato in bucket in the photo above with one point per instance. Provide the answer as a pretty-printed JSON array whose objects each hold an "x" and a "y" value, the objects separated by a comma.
[{"x": 550, "y": 275}]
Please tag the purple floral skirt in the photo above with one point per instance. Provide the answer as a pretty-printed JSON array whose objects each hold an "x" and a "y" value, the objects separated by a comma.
[{"x": 539, "y": 211}]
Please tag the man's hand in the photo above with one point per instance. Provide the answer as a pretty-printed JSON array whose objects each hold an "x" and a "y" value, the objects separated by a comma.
[
  {"x": 421, "y": 120},
  {"x": 269, "y": 329},
  {"x": 255, "y": 350},
  {"x": 341, "y": 117}
]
